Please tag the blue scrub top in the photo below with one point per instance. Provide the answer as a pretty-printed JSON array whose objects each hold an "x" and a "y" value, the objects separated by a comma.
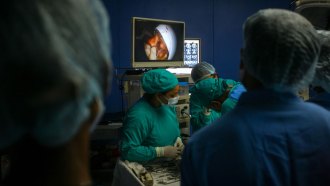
[
  {"x": 269, "y": 138},
  {"x": 322, "y": 99}
]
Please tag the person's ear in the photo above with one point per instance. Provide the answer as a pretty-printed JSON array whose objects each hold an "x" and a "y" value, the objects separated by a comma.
[
  {"x": 242, "y": 72},
  {"x": 96, "y": 112},
  {"x": 160, "y": 98},
  {"x": 159, "y": 95},
  {"x": 95, "y": 108},
  {"x": 246, "y": 78}
]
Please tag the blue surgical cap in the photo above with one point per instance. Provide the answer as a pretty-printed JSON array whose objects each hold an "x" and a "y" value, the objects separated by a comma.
[
  {"x": 208, "y": 90},
  {"x": 201, "y": 71},
  {"x": 50, "y": 75},
  {"x": 280, "y": 49},
  {"x": 322, "y": 73},
  {"x": 158, "y": 80}
]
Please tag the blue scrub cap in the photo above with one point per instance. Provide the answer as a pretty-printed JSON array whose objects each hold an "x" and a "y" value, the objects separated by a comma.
[
  {"x": 201, "y": 71},
  {"x": 208, "y": 90},
  {"x": 322, "y": 73},
  {"x": 280, "y": 49},
  {"x": 158, "y": 80}
]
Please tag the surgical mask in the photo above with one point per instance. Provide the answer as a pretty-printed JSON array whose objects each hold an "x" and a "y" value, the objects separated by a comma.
[
  {"x": 170, "y": 101},
  {"x": 173, "y": 101}
]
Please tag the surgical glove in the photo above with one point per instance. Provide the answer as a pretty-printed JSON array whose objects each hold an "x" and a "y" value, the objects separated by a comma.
[
  {"x": 168, "y": 151},
  {"x": 206, "y": 111},
  {"x": 171, "y": 152},
  {"x": 178, "y": 143}
]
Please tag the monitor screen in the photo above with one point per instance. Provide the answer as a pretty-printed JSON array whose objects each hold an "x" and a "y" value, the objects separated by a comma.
[
  {"x": 192, "y": 52},
  {"x": 157, "y": 43}
]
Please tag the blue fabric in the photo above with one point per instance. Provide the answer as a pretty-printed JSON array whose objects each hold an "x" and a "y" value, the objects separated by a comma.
[
  {"x": 236, "y": 92},
  {"x": 322, "y": 99},
  {"x": 267, "y": 139},
  {"x": 145, "y": 128},
  {"x": 230, "y": 103}
]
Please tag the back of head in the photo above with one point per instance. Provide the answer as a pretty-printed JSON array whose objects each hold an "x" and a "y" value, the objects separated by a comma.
[
  {"x": 322, "y": 73},
  {"x": 55, "y": 61},
  {"x": 201, "y": 71},
  {"x": 280, "y": 49}
]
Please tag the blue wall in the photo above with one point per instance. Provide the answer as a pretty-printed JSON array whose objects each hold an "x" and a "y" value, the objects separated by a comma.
[{"x": 217, "y": 22}]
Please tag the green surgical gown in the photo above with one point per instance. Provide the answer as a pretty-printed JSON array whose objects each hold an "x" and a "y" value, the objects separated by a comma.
[
  {"x": 145, "y": 128},
  {"x": 198, "y": 120}
]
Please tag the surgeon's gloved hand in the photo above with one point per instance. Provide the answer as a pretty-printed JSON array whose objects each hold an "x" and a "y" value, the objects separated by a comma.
[
  {"x": 168, "y": 151},
  {"x": 206, "y": 111},
  {"x": 178, "y": 143},
  {"x": 172, "y": 152}
]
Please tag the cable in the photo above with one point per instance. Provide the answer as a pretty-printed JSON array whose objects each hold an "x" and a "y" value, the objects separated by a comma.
[
  {"x": 184, "y": 112},
  {"x": 121, "y": 88}
]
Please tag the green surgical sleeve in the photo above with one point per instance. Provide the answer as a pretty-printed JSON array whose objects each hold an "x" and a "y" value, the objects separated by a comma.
[
  {"x": 198, "y": 119},
  {"x": 135, "y": 131}
]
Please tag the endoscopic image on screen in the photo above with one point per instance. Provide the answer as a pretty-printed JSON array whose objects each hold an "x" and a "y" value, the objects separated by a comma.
[{"x": 157, "y": 40}]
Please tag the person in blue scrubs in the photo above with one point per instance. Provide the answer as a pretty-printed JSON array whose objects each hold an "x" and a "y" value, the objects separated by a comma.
[
  {"x": 271, "y": 137},
  {"x": 321, "y": 82},
  {"x": 151, "y": 128},
  {"x": 211, "y": 96}
]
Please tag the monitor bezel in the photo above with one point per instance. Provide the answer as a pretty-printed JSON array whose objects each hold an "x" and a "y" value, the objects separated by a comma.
[{"x": 156, "y": 63}]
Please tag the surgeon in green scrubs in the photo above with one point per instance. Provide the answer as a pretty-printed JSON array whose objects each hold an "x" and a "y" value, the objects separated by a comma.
[
  {"x": 150, "y": 128},
  {"x": 211, "y": 96}
]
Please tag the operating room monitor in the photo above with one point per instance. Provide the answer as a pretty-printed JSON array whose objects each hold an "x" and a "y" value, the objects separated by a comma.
[
  {"x": 157, "y": 43},
  {"x": 192, "y": 52}
]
